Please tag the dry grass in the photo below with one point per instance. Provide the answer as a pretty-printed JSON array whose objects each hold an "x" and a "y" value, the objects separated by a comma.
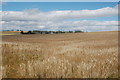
[
  {"x": 74, "y": 55},
  {"x": 9, "y": 33}
]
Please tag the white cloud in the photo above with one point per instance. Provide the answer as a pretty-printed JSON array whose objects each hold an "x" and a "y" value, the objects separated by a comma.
[
  {"x": 57, "y": 20},
  {"x": 35, "y": 14},
  {"x": 84, "y": 25}
]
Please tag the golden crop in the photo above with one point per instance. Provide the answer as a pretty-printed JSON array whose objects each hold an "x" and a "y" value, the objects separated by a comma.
[{"x": 70, "y": 55}]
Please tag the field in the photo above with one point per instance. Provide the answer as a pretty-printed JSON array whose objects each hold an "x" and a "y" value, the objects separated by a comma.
[
  {"x": 9, "y": 32},
  {"x": 69, "y": 55}
]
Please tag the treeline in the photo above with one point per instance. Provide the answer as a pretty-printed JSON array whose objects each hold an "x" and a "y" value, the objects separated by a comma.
[{"x": 49, "y": 32}]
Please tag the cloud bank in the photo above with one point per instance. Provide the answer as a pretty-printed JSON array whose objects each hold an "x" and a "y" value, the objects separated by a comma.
[{"x": 32, "y": 19}]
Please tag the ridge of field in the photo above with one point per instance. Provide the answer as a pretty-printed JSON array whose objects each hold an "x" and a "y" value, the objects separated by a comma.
[
  {"x": 70, "y": 55},
  {"x": 18, "y": 32}
]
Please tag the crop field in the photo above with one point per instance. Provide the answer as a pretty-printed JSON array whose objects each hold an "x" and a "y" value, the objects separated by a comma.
[
  {"x": 9, "y": 32},
  {"x": 69, "y": 55}
]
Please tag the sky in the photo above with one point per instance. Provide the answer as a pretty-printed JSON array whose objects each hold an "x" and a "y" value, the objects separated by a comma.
[
  {"x": 85, "y": 16},
  {"x": 61, "y": 0}
]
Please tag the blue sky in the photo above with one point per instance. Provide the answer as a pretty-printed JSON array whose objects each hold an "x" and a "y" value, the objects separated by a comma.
[
  {"x": 46, "y": 7},
  {"x": 50, "y": 6},
  {"x": 56, "y": 6},
  {"x": 61, "y": 0}
]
